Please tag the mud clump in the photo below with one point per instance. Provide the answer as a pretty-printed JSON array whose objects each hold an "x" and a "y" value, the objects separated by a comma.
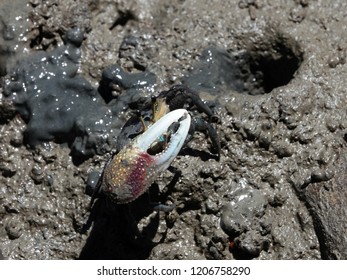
[
  {"x": 238, "y": 217},
  {"x": 129, "y": 82}
]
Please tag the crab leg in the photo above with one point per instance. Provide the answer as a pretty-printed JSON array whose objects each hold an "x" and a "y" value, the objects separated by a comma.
[{"x": 131, "y": 172}]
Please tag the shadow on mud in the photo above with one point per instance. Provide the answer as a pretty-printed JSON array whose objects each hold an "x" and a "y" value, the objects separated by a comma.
[{"x": 114, "y": 233}]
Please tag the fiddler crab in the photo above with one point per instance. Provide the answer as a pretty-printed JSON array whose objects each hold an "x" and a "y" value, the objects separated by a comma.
[{"x": 150, "y": 141}]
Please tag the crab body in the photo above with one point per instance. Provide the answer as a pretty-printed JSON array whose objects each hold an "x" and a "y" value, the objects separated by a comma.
[{"x": 150, "y": 141}]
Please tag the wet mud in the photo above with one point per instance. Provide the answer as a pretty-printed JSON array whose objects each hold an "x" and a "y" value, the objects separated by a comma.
[{"x": 73, "y": 72}]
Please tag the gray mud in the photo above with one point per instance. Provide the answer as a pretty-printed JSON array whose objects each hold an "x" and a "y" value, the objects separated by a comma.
[{"x": 274, "y": 73}]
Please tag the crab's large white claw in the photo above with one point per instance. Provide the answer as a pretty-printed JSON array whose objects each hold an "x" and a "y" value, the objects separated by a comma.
[
  {"x": 130, "y": 173},
  {"x": 159, "y": 128}
]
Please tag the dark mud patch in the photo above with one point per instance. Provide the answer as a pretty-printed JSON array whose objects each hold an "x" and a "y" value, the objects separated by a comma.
[{"x": 52, "y": 98}]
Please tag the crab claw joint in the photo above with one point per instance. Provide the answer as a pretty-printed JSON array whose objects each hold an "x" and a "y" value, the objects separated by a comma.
[{"x": 131, "y": 172}]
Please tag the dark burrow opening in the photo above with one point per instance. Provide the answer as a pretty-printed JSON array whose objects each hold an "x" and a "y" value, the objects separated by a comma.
[
  {"x": 262, "y": 64},
  {"x": 274, "y": 67}
]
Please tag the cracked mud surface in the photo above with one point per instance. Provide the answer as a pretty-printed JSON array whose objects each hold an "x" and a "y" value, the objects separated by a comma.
[{"x": 275, "y": 74}]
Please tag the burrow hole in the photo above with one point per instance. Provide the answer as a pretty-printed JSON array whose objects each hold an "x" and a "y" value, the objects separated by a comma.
[{"x": 269, "y": 65}]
